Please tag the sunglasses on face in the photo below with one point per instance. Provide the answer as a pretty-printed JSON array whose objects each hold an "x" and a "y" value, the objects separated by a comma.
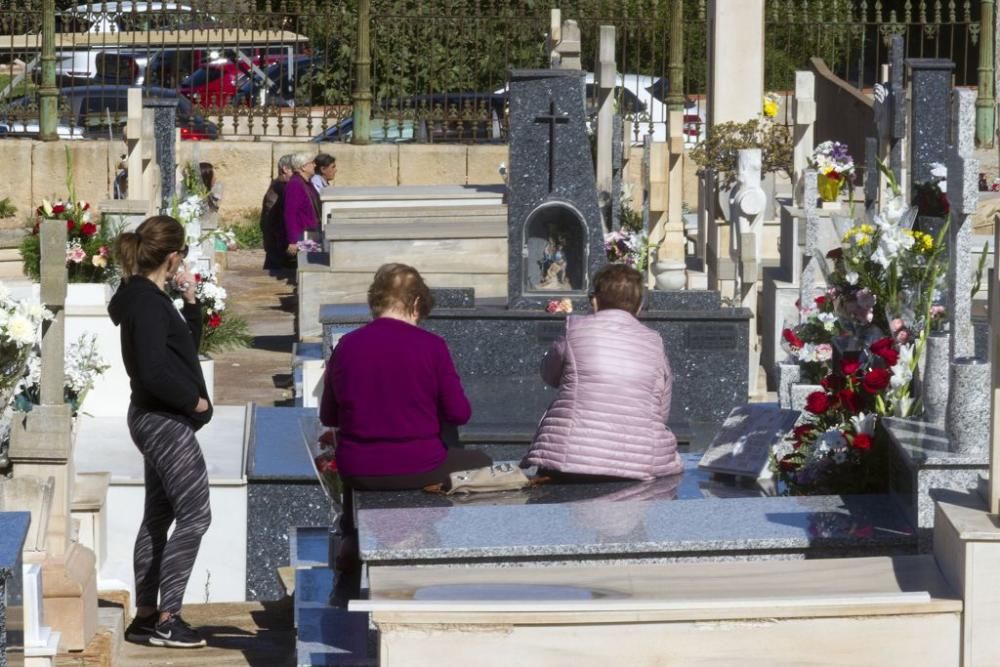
[{"x": 183, "y": 252}]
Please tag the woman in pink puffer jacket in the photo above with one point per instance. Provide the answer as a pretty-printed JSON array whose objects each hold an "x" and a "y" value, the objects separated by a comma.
[{"x": 608, "y": 417}]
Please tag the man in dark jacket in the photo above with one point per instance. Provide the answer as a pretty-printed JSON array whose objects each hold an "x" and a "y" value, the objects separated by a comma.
[{"x": 272, "y": 219}]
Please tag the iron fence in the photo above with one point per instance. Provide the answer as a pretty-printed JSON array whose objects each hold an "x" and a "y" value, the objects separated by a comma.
[{"x": 285, "y": 68}]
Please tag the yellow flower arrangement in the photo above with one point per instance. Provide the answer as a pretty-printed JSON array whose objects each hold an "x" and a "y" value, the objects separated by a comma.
[{"x": 771, "y": 101}]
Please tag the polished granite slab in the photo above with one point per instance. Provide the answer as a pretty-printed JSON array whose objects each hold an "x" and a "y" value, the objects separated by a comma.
[
  {"x": 277, "y": 448},
  {"x": 695, "y": 483},
  {"x": 716, "y": 519},
  {"x": 921, "y": 467},
  {"x": 282, "y": 493}
]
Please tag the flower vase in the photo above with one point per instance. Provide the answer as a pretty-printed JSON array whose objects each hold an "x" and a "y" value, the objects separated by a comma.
[
  {"x": 829, "y": 190},
  {"x": 933, "y": 372},
  {"x": 208, "y": 372}
]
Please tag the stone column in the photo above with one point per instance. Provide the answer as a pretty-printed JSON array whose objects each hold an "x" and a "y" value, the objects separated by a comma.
[
  {"x": 805, "y": 118},
  {"x": 736, "y": 60},
  {"x": 606, "y": 76},
  {"x": 362, "y": 96},
  {"x": 985, "y": 104},
  {"x": 165, "y": 140},
  {"x": 48, "y": 94}
]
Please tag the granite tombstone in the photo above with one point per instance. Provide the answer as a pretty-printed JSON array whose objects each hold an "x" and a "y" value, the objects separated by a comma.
[{"x": 555, "y": 230}]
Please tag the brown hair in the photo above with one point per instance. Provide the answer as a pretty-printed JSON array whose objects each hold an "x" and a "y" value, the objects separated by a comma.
[
  {"x": 401, "y": 286},
  {"x": 207, "y": 174},
  {"x": 618, "y": 286},
  {"x": 141, "y": 252}
]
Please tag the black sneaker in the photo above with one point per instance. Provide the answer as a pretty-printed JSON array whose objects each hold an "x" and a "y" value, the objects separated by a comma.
[
  {"x": 176, "y": 633},
  {"x": 141, "y": 629}
]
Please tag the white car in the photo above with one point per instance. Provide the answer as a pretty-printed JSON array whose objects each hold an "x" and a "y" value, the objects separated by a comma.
[{"x": 110, "y": 18}]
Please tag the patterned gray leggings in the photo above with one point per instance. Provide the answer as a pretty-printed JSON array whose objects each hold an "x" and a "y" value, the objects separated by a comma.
[{"x": 176, "y": 491}]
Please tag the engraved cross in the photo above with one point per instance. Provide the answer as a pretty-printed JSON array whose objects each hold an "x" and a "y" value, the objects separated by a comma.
[{"x": 552, "y": 118}]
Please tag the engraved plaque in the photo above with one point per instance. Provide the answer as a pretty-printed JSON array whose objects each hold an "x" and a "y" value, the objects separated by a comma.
[
  {"x": 550, "y": 331},
  {"x": 711, "y": 337},
  {"x": 743, "y": 445}
]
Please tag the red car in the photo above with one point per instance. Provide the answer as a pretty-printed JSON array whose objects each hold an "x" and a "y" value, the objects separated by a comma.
[{"x": 213, "y": 84}]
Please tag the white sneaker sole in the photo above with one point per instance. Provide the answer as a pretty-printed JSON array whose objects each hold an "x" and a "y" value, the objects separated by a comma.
[{"x": 170, "y": 643}]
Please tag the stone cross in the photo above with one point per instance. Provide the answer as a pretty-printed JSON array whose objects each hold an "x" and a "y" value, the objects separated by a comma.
[
  {"x": 140, "y": 141},
  {"x": 805, "y": 118},
  {"x": 746, "y": 206},
  {"x": 811, "y": 272},
  {"x": 606, "y": 76},
  {"x": 963, "y": 195},
  {"x": 552, "y": 118},
  {"x": 889, "y": 138},
  {"x": 568, "y": 47},
  {"x": 53, "y": 296},
  {"x": 897, "y": 114},
  {"x": 555, "y": 35}
]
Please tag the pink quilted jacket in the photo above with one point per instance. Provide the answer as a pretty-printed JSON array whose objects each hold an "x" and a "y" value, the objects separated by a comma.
[{"x": 608, "y": 417}]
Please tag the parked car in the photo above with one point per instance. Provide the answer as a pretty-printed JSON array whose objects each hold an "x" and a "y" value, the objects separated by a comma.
[
  {"x": 284, "y": 85},
  {"x": 92, "y": 112},
  {"x": 388, "y": 129},
  {"x": 392, "y": 132},
  {"x": 104, "y": 18},
  {"x": 212, "y": 84}
]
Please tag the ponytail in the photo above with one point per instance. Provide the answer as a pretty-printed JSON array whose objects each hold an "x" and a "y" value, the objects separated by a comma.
[{"x": 146, "y": 249}]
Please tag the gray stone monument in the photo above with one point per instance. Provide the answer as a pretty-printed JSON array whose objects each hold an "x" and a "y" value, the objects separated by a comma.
[
  {"x": 555, "y": 230},
  {"x": 930, "y": 87},
  {"x": 165, "y": 136}
]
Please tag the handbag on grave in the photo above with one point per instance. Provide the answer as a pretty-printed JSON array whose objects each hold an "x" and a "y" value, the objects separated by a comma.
[{"x": 497, "y": 477}]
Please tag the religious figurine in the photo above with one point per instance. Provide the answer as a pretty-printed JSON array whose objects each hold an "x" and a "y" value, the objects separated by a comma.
[{"x": 553, "y": 264}]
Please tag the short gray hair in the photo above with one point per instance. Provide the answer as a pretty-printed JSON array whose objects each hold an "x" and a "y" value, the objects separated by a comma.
[
  {"x": 300, "y": 160},
  {"x": 285, "y": 162}
]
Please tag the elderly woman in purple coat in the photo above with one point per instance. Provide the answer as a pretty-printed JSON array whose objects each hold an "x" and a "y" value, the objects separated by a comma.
[{"x": 302, "y": 205}]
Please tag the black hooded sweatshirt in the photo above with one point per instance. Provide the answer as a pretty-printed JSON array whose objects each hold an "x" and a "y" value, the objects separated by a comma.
[{"x": 160, "y": 351}]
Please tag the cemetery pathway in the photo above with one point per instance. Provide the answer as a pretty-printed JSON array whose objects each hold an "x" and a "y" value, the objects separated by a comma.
[
  {"x": 262, "y": 372},
  {"x": 243, "y": 633}
]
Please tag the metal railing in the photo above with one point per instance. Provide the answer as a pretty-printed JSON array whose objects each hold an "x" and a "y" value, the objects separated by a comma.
[{"x": 285, "y": 68}]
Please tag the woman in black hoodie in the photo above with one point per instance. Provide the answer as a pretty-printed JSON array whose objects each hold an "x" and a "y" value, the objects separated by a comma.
[{"x": 169, "y": 403}]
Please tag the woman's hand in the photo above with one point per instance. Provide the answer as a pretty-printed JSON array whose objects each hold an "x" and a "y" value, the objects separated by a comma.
[
  {"x": 292, "y": 250},
  {"x": 186, "y": 283},
  {"x": 202, "y": 405}
]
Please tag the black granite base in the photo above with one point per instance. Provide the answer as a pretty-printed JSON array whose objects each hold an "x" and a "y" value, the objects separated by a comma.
[
  {"x": 273, "y": 509},
  {"x": 497, "y": 353}
]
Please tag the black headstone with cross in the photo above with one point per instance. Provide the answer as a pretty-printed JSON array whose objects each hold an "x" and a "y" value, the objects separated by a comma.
[{"x": 555, "y": 235}]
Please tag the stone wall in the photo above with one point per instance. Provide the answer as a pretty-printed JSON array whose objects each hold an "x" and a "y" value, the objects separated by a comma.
[{"x": 31, "y": 170}]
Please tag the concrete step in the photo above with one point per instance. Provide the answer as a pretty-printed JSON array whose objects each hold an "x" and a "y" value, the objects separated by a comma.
[
  {"x": 470, "y": 229},
  {"x": 456, "y": 256},
  {"x": 419, "y": 212},
  {"x": 408, "y": 195},
  {"x": 11, "y": 269},
  {"x": 10, "y": 255}
]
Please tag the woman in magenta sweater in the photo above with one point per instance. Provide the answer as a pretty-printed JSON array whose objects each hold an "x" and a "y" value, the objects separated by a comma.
[
  {"x": 389, "y": 389},
  {"x": 301, "y": 204}
]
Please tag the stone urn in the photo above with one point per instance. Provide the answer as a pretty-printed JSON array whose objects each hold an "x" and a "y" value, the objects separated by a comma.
[
  {"x": 670, "y": 274},
  {"x": 967, "y": 421}
]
